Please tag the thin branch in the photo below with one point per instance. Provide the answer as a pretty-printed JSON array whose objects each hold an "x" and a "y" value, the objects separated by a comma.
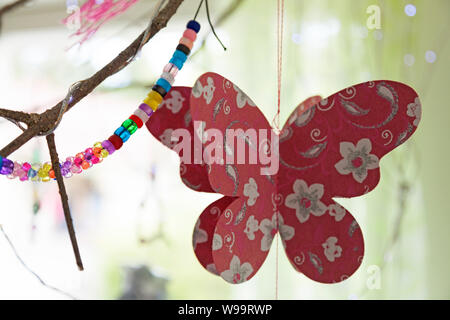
[
  {"x": 47, "y": 119},
  {"x": 12, "y": 5},
  {"x": 13, "y": 248},
  {"x": 64, "y": 198}
]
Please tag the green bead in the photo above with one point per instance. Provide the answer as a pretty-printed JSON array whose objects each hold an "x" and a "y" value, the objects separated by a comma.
[
  {"x": 132, "y": 128},
  {"x": 127, "y": 123}
]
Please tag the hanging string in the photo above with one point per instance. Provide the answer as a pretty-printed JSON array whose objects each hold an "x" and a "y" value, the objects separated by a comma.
[
  {"x": 280, "y": 27},
  {"x": 276, "y": 118},
  {"x": 209, "y": 21}
]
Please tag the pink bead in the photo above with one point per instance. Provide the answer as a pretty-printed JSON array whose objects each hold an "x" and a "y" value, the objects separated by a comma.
[
  {"x": 95, "y": 160},
  {"x": 75, "y": 169},
  {"x": 167, "y": 67},
  {"x": 173, "y": 72},
  {"x": 26, "y": 166},
  {"x": 190, "y": 34}
]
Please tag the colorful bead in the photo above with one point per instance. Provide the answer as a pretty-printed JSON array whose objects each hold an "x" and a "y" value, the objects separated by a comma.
[
  {"x": 194, "y": 25},
  {"x": 152, "y": 103},
  {"x": 155, "y": 95},
  {"x": 145, "y": 107},
  {"x": 180, "y": 55},
  {"x": 186, "y": 42},
  {"x": 116, "y": 141},
  {"x": 190, "y": 34},
  {"x": 119, "y": 130},
  {"x": 132, "y": 128},
  {"x": 160, "y": 90},
  {"x": 125, "y": 135},
  {"x": 184, "y": 49},
  {"x": 168, "y": 77},
  {"x": 142, "y": 115},
  {"x": 108, "y": 146},
  {"x": 164, "y": 84},
  {"x": 137, "y": 120},
  {"x": 7, "y": 167},
  {"x": 104, "y": 153},
  {"x": 179, "y": 63}
]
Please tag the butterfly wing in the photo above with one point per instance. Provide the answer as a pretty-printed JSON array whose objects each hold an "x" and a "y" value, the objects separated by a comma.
[
  {"x": 174, "y": 114},
  {"x": 217, "y": 107},
  {"x": 203, "y": 237},
  {"x": 332, "y": 149}
]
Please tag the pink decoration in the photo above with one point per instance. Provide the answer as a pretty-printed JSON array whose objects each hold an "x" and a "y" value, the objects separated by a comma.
[
  {"x": 328, "y": 148},
  {"x": 93, "y": 14}
]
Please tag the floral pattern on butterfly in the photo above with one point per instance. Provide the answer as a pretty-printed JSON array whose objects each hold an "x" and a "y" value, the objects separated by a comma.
[
  {"x": 357, "y": 160},
  {"x": 328, "y": 148}
]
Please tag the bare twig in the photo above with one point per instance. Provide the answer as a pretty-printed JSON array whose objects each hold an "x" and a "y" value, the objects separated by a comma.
[
  {"x": 64, "y": 198},
  {"x": 31, "y": 271},
  {"x": 46, "y": 120},
  {"x": 12, "y": 5}
]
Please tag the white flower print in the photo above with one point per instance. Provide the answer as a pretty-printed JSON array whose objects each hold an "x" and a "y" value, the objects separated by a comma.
[
  {"x": 167, "y": 139},
  {"x": 212, "y": 268},
  {"x": 251, "y": 227},
  {"x": 217, "y": 242},
  {"x": 286, "y": 232},
  {"x": 237, "y": 273},
  {"x": 357, "y": 159},
  {"x": 269, "y": 229},
  {"x": 175, "y": 102},
  {"x": 251, "y": 191},
  {"x": 306, "y": 200},
  {"x": 337, "y": 211},
  {"x": 415, "y": 110},
  {"x": 199, "y": 236},
  {"x": 242, "y": 99},
  {"x": 331, "y": 250},
  {"x": 207, "y": 91}
]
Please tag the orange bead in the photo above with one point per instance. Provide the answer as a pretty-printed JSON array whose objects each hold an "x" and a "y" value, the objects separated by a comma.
[
  {"x": 85, "y": 165},
  {"x": 51, "y": 174},
  {"x": 187, "y": 42}
]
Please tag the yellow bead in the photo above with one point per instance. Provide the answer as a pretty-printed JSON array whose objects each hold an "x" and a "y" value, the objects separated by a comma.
[
  {"x": 154, "y": 95},
  {"x": 46, "y": 179},
  {"x": 42, "y": 173},
  {"x": 151, "y": 103},
  {"x": 104, "y": 153},
  {"x": 98, "y": 145},
  {"x": 47, "y": 166}
]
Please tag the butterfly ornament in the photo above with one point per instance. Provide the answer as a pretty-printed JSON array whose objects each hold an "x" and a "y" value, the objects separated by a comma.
[{"x": 328, "y": 148}]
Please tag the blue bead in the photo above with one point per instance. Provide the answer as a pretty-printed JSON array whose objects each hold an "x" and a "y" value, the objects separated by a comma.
[
  {"x": 31, "y": 173},
  {"x": 164, "y": 83},
  {"x": 119, "y": 131},
  {"x": 177, "y": 62},
  {"x": 194, "y": 25},
  {"x": 1, "y": 162},
  {"x": 125, "y": 135},
  {"x": 180, "y": 55}
]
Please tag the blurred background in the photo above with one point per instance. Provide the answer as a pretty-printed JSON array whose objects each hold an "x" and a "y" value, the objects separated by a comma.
[{"x": 133, "y": 216}]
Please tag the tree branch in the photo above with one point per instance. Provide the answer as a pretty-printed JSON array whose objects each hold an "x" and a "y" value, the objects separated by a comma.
[
  {"x": 12, "y": 6},
  {"x": 64, "y": 197},
  {"x": 46, "y": 120}
]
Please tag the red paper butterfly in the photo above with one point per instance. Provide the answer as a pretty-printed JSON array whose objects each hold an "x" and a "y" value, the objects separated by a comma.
[{"x": 328, "y": 148}]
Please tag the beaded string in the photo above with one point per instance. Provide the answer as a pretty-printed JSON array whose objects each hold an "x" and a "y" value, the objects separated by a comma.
[{"x": 101, "y": 150}]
